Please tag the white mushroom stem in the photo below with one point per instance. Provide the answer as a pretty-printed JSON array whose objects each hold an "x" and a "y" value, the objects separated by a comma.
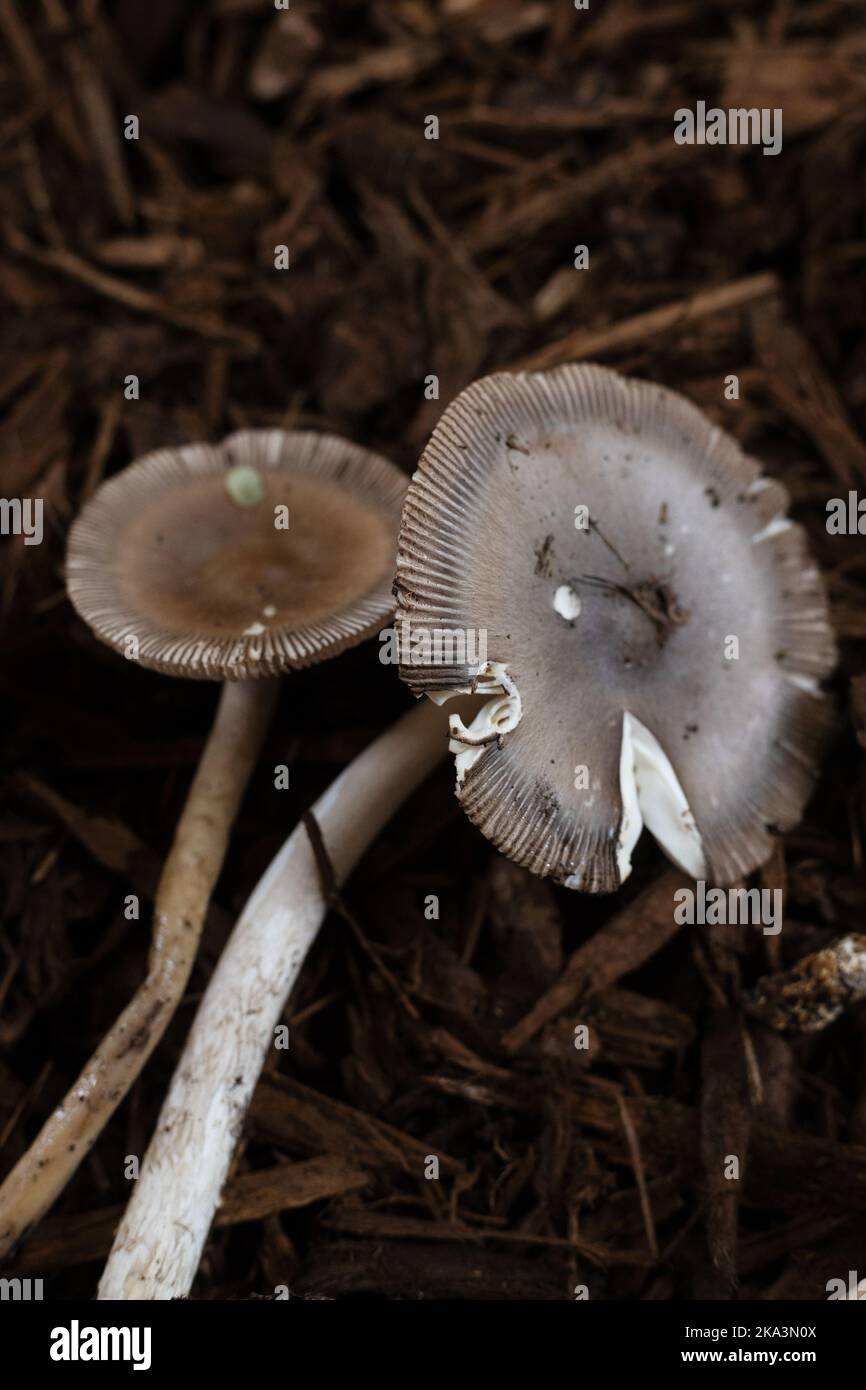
[
  {"x": 181, "y": 902},
  {"x": 159, "y": 1242}
]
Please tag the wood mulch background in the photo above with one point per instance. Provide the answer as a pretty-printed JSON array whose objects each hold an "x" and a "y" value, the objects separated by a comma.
[{"x": 411, "y": 257}]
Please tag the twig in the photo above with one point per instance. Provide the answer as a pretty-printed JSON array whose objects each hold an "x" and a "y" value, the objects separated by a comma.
[
  {"x": 665, "y": 319},
  {"x": 331, "y": 894},
  {"x": 112, "y": 287},
  {"x": 625, "y": 942},
  {"x": 83, "y": 1236},
  {"x": 639, "y": 1174}
]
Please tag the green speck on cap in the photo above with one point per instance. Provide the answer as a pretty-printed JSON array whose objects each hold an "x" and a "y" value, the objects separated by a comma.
[{"x": 244, "y": 485}]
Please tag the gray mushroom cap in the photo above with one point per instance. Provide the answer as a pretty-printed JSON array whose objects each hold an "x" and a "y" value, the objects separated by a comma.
[
  {"x": 655, "y": 627},
  {"x": 174, "y": 567}
]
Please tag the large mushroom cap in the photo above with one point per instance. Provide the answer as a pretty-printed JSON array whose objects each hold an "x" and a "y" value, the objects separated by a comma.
[
  {"x": 655, "y": 627},
  {"x": 189, "y": 562}
]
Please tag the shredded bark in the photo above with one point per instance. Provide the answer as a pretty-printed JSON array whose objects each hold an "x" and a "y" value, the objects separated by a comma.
[{"x": 493, "y": 1088}]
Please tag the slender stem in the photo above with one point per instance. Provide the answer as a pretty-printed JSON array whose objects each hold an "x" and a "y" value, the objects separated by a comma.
[
  {"x": 182, "y": 898},
  {"x": 160, "y": 1239}
]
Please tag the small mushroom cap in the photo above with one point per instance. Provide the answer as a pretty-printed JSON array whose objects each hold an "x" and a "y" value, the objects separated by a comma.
[
  {"x": 171, "y": 568},
  {"x": 654, "y": 625}
]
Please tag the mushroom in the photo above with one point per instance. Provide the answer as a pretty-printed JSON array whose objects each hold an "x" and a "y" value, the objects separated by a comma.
[
  {"x": 216, "y": 563},
  {"x": 654, "y": 625},
  {"x": 603, "y": 647}
]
